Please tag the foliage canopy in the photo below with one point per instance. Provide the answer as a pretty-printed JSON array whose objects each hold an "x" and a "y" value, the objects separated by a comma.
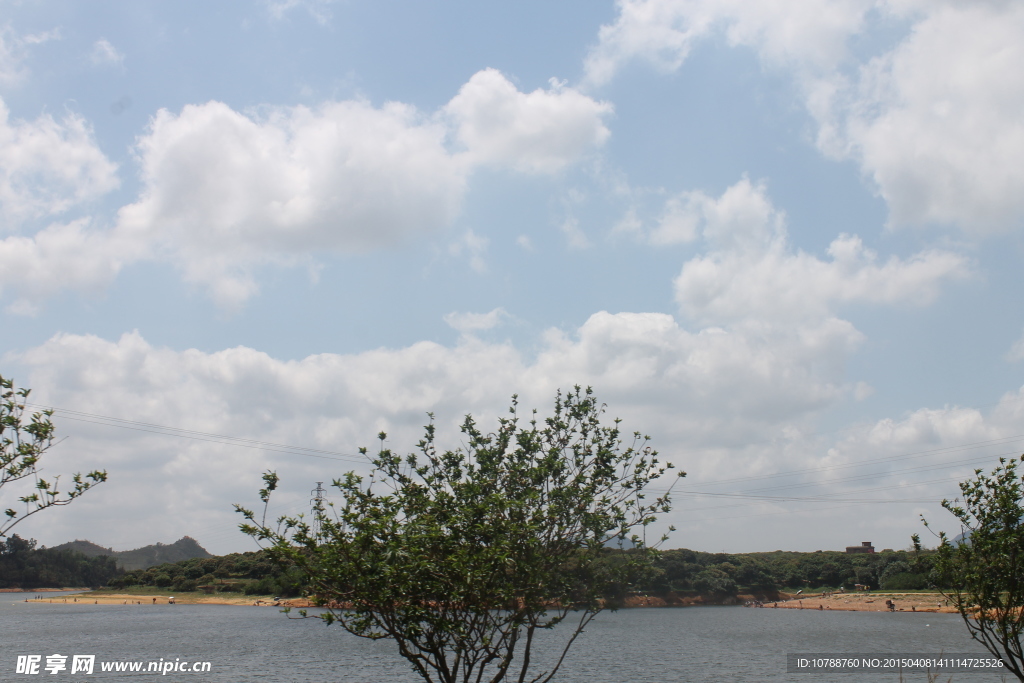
[
  {"x": 24, "y": 439},
  {"x": 984, "y": 569},
  {"x": 464, "y": 557}
]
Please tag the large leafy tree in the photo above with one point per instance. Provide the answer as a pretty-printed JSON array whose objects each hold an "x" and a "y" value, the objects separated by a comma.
[
  {"x": 983, "y": 570},
  {"x": 466, "y": 557},
  {"x": 24, "y": 440}
]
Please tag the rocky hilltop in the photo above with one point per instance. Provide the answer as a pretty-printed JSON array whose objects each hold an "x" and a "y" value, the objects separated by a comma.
[{"x": 184, "y": 548}]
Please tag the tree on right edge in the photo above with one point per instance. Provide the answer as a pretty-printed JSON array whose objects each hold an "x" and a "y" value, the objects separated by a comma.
[{"x": 982, "y": 571}]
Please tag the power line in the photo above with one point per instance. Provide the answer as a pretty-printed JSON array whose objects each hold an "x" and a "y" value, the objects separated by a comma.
[
  {"x": 825, "y": 499},
  {"x": 857, "y": 477},
  {"x": 801, "y": 499},
  {"x": 165, "y": 430},
  {"x": 749, "y": 494},
  {"x": 120, "y": 423},
  {"x": 773, "y": 514},
  {"x": 915, "y": 454},
  {"x": 872, "y": 475}
]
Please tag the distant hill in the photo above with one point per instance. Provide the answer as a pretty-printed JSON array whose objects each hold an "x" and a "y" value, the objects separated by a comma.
[
  {"x": 87, "y": 548},
  {"x": 185, "y": 548}
]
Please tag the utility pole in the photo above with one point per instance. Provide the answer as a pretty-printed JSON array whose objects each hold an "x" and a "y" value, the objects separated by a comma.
[{"x": 318, "y": 507}]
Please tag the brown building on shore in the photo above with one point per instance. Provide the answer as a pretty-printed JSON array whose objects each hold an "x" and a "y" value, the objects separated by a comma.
[{"x": 864, "y": 547}]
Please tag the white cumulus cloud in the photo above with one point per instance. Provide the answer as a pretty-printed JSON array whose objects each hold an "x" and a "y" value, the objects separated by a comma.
[
  {"x": 13, "y": 52},
  {"x": 104, "y": 53},
  {"x": 319, "y": 10},
  {"x": 933, "y": 448},
  {"x": 468, "y": 323},
  {"x": 751, "y": 272},
  {"x": 10, "y": 64},
  {"x": 538, "y": 132},
  {"x": 933, "y": 121},
  {"x": 474, "y": 247},
  {"x": 60, "y": 256},
  {"x": 662, "y": 32},
  {"x": 224, "y": 192},
  {"x": 48, "y": 166},
  {"x": 936, "y": 124},
  {"x": 1016, "y": 352}
]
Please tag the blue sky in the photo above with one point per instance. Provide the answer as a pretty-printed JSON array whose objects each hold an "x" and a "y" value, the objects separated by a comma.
[{"x": 782, "y": 238}]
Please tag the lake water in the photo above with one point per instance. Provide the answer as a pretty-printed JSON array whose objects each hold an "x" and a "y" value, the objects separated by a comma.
[{"x": 657, "y": 645}]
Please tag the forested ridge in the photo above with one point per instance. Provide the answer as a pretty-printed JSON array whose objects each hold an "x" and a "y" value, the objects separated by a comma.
[
  {"x": 251, "y": 573},
  {"x": 728, "y": 574},
  {"x": 679, "y": 570},
  {"x": 24, "y": 566}
]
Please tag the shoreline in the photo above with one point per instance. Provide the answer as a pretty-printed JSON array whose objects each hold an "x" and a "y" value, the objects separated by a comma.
[
  {"x": 841, "y": 602},
  {"x": 866, "y": 601},
  {"x": 872, "y": 602},
  {"x": 142, "y": 599}
]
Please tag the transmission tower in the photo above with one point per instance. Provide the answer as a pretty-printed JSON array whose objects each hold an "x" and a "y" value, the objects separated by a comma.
[{"x": 317, "y": 501}]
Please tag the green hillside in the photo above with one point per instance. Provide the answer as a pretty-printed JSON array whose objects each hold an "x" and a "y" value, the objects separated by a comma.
[{"x": 185, "y": 548}]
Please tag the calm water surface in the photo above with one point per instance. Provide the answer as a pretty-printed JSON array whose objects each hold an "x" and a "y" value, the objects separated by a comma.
[{"x": 675, "y": 644}]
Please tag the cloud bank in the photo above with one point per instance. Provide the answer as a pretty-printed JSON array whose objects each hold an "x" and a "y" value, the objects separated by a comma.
[{"x": 225, "y": 192}]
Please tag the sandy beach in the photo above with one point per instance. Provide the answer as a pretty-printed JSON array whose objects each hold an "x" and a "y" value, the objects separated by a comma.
[
  {"x": 129, "y": 599},
  {"x": 870, "y": 602},
  {"x": 844, "y": 602}
]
